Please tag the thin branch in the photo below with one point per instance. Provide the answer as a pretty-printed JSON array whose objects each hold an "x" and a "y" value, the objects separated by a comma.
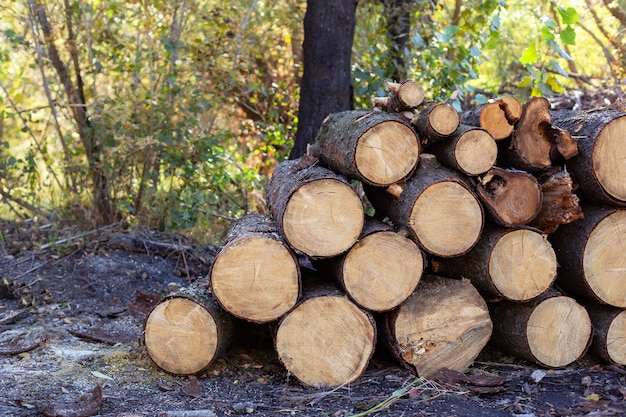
[{"x": 25, "y": 204}]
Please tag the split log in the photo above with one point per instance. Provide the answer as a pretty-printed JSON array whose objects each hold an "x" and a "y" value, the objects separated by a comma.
[
  {"x": 536, "y": 143},
  {"x": 255, "y": 276},
  {"x": 515, "y": 264},
  {"x": 402, "y": 96},
  {"x": 374, "y": 147},
  {"x": 600, "y": 166},
  {"x": 316, "y": 210},
  {"x": 552, "y": 330},
  {"x": 380, "y": 271},
  {"x": 445, "y": 323},
  {"x": 436, "y": 122},
  {"x": 497, "y": 117},
  {"x": 469, "y": 150},
  {"x": 559, "y": 204},
  {"x": 187, "y": 331},
  {"x": 326, "y": 340},
  {"x": 436, "y": 206},
  {"x": 592, "y": 256},
  {"x": 512, "y": 197},
  {"x": 609, "y": 325}
]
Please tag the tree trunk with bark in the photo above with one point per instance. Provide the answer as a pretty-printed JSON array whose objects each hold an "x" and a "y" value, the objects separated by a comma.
[
  {"x": 470, "y": 150},
  {"x": 609, "y": 333},
  {"x": 436, "y": 122},
  {"x": 497, "y": 117},
  {"x": 402, "y": 97}
]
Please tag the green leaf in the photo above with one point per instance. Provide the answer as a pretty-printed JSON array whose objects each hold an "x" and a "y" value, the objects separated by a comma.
[
  {"x": 546, "y": 33},
  {"x": 569, "y": 15},
  {"x": 529, "y": 56},
  {"x": 557, "y": 68},
  {"x": 568, "y": 36}
]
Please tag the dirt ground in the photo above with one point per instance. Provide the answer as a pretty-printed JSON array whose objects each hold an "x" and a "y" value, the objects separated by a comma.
[{"x": 72, "y": 307}]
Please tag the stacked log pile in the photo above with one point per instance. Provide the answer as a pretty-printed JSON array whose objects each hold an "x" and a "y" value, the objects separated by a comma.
[{"x": 505, "y": 224}]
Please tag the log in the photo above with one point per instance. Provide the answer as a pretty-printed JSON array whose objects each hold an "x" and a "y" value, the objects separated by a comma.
[
  {"x": 436, "y": 122},
  {"x": 326, "y": 340},
  {"x": 511, "y": 197},
  {"x": 255, "y": 275},
  {"x": 609, "y": 333},
  {"x": 187, "y": 331},
  {"x": 374, "y": 147},
  {"x": 445, "y": 323},
  {"x": 515, "y": 264},
  {"x": 316, "y": 210},
  {"x": 436, "y": 206},
  {"x": 497, "y": 117},
  {"x": 600, "y": 166},
  {"x": 553, "y": 330},
  {"x": 559, "y": 204},
  {"x": 535, "y": 142},
  {"x": 592, "y": 255},
  {"x": 380, "y": 271},
  {"x": 469, "y": 150},
  {"x": 402, "y": 96}
]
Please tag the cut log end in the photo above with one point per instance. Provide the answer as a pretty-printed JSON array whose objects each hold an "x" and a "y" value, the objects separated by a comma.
[
  {"x": 609, "y": 154},
  {"x": 444, "y": 119},
  {"x": 616, "y": 334},
  {"x": 476, "y": 152},
  {"x": 492, "y": 118}
]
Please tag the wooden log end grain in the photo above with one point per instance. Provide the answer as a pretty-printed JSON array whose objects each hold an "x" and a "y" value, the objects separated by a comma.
[
  {"x": 497, "y": 117},
  {"x": 186, "y": 332},
  {"x": 609, "y": 324},
  {"x": 255, "y": 276},
  {"x": 470, "y": 150},
  {"x": 559, "y": 205},
  {"x": 552, "y": 331},
  {"x": 437, "y": 122},
  {"x": 403, "y": 96},
  {"x": 326, "y": 340},
  {"x": 445, "y": 323}
]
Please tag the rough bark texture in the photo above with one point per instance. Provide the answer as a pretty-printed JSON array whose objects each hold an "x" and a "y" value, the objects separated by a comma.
[
  {"x": 326, "y": 85},
  {"x": 609, "y": 333},
  {"x": 515, "y": 264},
  {"x": 427, "y": 333},
  {"x": 470, "y": 150},
  {"x": 437, "y": 206},
  {"x": 316, "y": 210},
  {"x": 375, "y": 147},
  {"x": 437, "y": 122},
  {"x": 599, "y": 167},
  {"x": 255, "y": 275},
  {"x": 592, "y": 255},
  {"x": 187, "y": 331}
]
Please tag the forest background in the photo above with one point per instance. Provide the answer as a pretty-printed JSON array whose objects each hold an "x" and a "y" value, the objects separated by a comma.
[{"x": 171, "y": 114}]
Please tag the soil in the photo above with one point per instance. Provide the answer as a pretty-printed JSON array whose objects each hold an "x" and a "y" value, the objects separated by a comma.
[{"x": 72, "y": 307}]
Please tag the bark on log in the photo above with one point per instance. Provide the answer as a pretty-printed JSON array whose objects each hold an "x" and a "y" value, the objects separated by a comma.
[
  {"x": 326, "y": 340},
  {"x": 402, "y": 96},
  {"x": 512, "y": 197},
  {"x": 592, "y": 256},
  {"x": 445, "y": 323},
  {"x": 609, "y": 336},
  {"x": 552, "y": 330},
  {"x": 559, "y": 204},
  {"x": 497, "y": 117},
  {"x": 380, "y": 271},
  {"x": 187, "y": 331},
  {"x": 437, "y": 206},
  {"x": 600, "y": 166},
  {"x": 316, "y": 210},
  {"x": 255, "y": 275},
  {"x": 436, "y": 122},
  {"x": 470, "y": 150},
  {"x": 515, "y": 264},
  {"x": 374, "y": 147}
]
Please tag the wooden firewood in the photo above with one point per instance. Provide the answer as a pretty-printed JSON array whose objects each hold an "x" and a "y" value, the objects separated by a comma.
[
  {"x": 187, "y": 331},
  {"x": 497, "y": 117},
  {"x": 317, "y": 211},
  {"x": 436, "y": 122},
  {"x": 374, "y": 147},
  {"x": 445, "y": 323},
  {"x": 402, "y": 96},
  {"x": 600, "y": 166},
  {"x": 553, "y": 330},
  {"x": 470, "y": 150},
  {"x": 436, "y": 206},
  {"x": 592, "y": 255},
  {"x": 609, "y": 333},
  {"x": 255, "y": 275},
  {"x": 515, "y": 264},
  {"x": 326, "y": 340},
  {"x": 512, "y": 197},
  {"x": 559, "y": 204},
  {"x": 380, "y": 271},
  {"x": 536, "y": 142}
]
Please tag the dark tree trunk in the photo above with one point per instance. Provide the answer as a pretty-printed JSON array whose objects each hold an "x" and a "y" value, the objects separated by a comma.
[
  {"x": 326, "y": 81},
  {"x": 398, "y": 30}
]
